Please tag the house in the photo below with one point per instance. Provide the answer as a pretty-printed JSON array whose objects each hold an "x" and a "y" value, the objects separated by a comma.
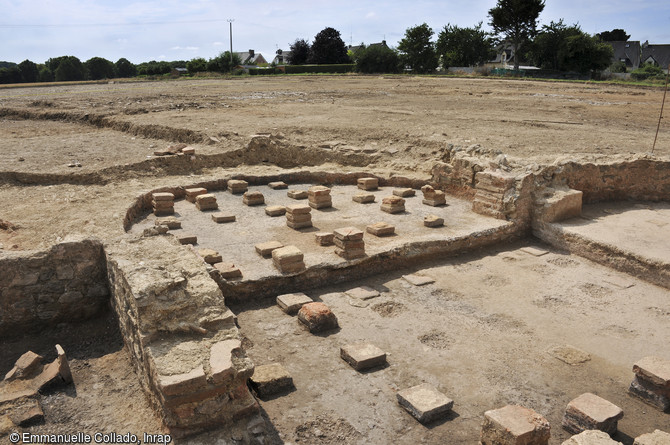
[
  {"x": 251, "y": 58},
  {"x": 179, "y": 71},
  {"x": 355, "y": 48},
  {"x": 658, "y": 55},
  {"x": 282, "y": 57},
  {"x": 627, "y": 52},
  {"x": 504, "y": 56}
]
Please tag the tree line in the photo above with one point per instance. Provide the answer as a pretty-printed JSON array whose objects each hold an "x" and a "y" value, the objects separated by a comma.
[{"x": 555, "y": 46}]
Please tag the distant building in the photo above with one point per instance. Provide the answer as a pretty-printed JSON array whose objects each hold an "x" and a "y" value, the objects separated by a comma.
[
  {"x": 355, "y": 48},
  {"x": 282, "y": 57},
  {"x": 627, "y": 52},
  {"x": 251, "y": 58},
  {"x": 658, "y": 55}
]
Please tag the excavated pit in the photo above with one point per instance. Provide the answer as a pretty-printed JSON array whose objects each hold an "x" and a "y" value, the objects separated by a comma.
[{"x": 501, "y": 323}]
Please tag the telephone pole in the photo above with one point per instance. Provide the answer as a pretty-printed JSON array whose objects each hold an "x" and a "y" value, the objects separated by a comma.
[{"x": 230, "y": 21}]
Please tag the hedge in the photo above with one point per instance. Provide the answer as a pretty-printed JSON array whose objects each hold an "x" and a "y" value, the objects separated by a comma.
[{"x": 341, "y": 68}]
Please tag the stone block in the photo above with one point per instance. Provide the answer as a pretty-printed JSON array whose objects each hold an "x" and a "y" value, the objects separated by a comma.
[
  {"x": 368, "y": 183},
  {"x": 424, "y": 402},
  {"x": 265, "y": 249},
  {"x": 183, "y": 384},
  {"x": 380, "y": 229},
  {"x": 221, "y": 217},
  {"x": 433, "y": 221},
  {"x": 162, "y": 196},
  {"x": 590, "y": 412},
  {"x": 393, "y": 204},
  {"x": 298, "y": 209},
  {"x": 298, "y": 217},
  {"x": 514, "y": 425},
  {"x": 291, "y": 303},
  {"x": 658, "y": 437},
  {"x": 363, "y": 293},
  {"x": 297, "y": 194},
  {"x": 655, "y": 370},
  {"x": 275, "y": 210},
  {"x": 187, "y": 239},
  {"x": 271, "y": 379},
  {"x": 650, "y": 393},
  {"x": 434, "y": 202},
  {"x": 363, "y": 198},
  {"x": 350, "y": 254},
  {"x": 324, "y": 238},
  {"x": 404, "y": 192},
  {"x": 349, "y": 245},
  {"x": 27, "y": 413},
  {"x": 210, "y": 256},
  {"x": 317, "y": 317},
  {"x": 299, "y": 225},
  {"x": 418, "y": 280},
  {"x": 25, "y": 367},
  {"x": 278, "y": 185},
  {"x": 171, "y": 223},
  {"x": 362, "y": 356},
  {"x": 189, "y": 151},
  {"x": 321, "y": 205},
  {"x": 433, "y": 197},
  {"x": 221, "y": 360},
  {"x": 228, "y": 270},
  {"x": 253, "y": 198},
  {"x": 63, "y": 365},
  {"x": 559, "y": 205},
  {"x": 206, "y": 202},
  {"x": 348, "y": 233},
  {"x": 193, "y": 192},
  {"x": 318, "y": 190},
  {"x": 237, "y": 186},
  {"x": 288, "y": 259},
  {"x": 591, "y": 437}
]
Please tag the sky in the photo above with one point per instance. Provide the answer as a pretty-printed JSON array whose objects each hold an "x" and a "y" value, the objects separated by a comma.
[{"x": 182, "y": 30}]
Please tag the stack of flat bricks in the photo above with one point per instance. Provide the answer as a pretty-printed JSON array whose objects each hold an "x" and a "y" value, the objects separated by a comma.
[
  {"x": 319, "y": 197},
  {"x": 393, "y": 204},
  {"x": 163, "y": 204},
  {"x": 253, "y": 198},
  {"x": 433, "y": 197},
  {"x": 514, "y": 424},
  {"x": 278, "y": 185},
  {"x": 380, "y": 229},
  {"x": 368, "y": 183},
  {"x": 237, "y": 186},
  {"x": 192, "y": 193},
  {"x": 590, "y": 412},
  {"x": 324, "y": 238},
  {"x": 652, "y": 382},
  {"x": 364, "y": 198},
  {"x": 349, "y": 243},
  {"x": 404, "y": 193},
  {"x": 298, "y": 216},
  {"x": 288, "y": 259},
  {"x": 206, "y": 202}
]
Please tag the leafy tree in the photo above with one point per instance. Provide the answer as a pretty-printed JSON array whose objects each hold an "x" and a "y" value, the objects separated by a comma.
[
  {"x": 516, "y": 20},
  {"x": 548, "y": 49},
  {"x": 69, "y": 68},
  {"x": 196, "y": 65},
  {"x": 7, "y": 64},
  {"x": 100, "y": 68},
  {"x": 464, "y": 46},
  {"x": 614, "y": 35},
  {"x": 328, "y": 47},
  {"x": 417, "y": 51},
  {"x": 585, "y": 53},
  {"x": 45, "y": 75},
  {"x": 301, "y": 52},
  {"x": 125, "y": 68},
  {"x": 10, "y": 75},
  {"x": 223, "y": 64},
  {"x": 377, "y": 59},
  {"x": 29, "y": 71}
]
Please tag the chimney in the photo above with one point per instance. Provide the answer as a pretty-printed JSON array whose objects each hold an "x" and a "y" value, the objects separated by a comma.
[{"x": 251, "y": 52}]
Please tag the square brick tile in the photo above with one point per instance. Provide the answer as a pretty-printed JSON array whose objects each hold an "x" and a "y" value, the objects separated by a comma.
[
  {"x": 424, "y": 402},
  {"x": 291, "y": 303},
  {"x": 363, "y": 356}
]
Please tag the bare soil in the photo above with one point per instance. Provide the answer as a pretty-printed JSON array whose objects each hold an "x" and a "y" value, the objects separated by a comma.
[{"x": 480, "y": 333}]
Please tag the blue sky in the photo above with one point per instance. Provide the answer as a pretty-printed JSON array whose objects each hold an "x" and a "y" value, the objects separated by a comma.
[{"x": 181, "y": 30}]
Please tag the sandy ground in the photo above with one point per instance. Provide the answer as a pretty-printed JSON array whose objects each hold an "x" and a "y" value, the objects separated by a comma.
[{"x": 480, "y": 333}]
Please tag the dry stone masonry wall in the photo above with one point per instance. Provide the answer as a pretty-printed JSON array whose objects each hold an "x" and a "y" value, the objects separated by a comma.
[{"x": 65, "y": 283}]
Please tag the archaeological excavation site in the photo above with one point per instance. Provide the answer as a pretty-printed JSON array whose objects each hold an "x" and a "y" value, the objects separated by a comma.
[{"x": 334, "y": 260}]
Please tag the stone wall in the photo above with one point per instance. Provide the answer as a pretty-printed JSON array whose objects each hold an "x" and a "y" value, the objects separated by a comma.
[
  {"x": 65, "y": 283},
  {"x": 639, "y": 177},
  {"x": 182, "y": 338}
]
